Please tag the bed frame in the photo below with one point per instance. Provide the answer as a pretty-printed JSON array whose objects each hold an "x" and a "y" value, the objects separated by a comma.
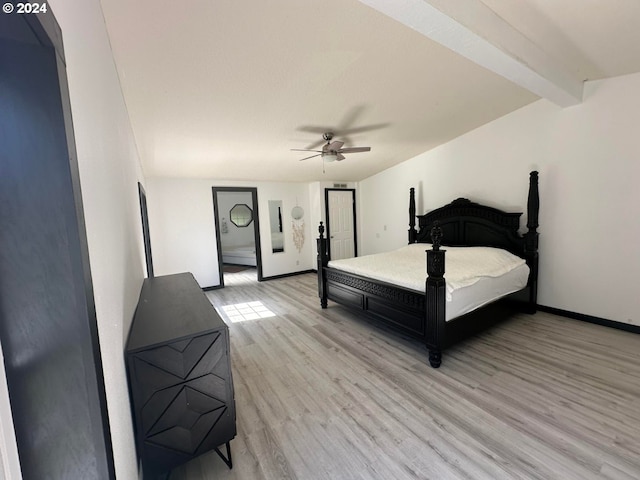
[{"x": 422, "y": 315}]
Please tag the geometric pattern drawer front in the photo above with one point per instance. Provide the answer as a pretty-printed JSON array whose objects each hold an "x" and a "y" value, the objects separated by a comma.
[
  {"x": 158, "y": 410},
  {"x": 165, "y": 366},
  {"x": 179, "y": 358},
  {"x": 186, "y": 421}
]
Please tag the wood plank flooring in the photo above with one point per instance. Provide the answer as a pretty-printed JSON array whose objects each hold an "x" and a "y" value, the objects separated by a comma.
[{"x": 322, "y": 394}]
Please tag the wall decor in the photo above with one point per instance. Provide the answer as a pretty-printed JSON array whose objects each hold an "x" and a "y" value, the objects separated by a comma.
[
  {"x": 297, "y": 227},
  {"x": 297, "y": 213}
]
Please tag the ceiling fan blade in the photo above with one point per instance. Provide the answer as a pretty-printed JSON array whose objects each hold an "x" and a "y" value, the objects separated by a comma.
[
  {"x": 365, "y": 128},
  {"x": 312, "y": 156},
  {"x": 305, "y": 150},
  {"x": 346, "y": 125},
  {"x": 313, "y": 129},
  {"x": 334, "y": 146},
  {"x": 350, "y": 118},
  {"x": 339, "y": 157},
  {"x": 355, "y": 149},
  {"x": 316, "y": 144}
]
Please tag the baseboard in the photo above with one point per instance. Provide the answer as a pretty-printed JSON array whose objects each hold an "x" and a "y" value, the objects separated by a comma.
[
  {"x": 208, "y": 289},
  {"x": 284, "y": 275},
  {"x": 274, "y": 277},
  {"x": 591, "y": 319}
]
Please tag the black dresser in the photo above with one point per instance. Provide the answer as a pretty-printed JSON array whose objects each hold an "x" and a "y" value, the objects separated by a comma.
[{"x": 179, "y": 373}]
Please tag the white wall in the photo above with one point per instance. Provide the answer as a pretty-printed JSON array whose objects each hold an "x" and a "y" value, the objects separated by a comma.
[
  {"x": 181, "y": 223},
  {"x": 589, "y": 162},
  {"x": 109, "y": 172}
]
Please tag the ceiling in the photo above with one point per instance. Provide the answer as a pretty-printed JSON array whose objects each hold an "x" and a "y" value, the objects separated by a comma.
[{"x": 225, "y": 89}]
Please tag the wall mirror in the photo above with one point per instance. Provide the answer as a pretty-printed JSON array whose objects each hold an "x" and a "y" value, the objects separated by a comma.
[
  {"x": 275, "y": 221},
  {"x": 241, "y": 215}
]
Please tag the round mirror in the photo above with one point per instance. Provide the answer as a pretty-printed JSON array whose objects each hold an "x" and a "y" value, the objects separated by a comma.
[
  {"x": 297, "y": 213},
  {"x": 241, "y": 215}
]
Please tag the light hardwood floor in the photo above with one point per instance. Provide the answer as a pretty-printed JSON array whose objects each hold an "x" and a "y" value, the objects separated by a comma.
[{"x": 322, "y": 394}]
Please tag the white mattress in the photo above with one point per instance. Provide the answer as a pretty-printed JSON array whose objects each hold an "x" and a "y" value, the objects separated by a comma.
[
  {"x": 475, "y": 276},
  {"x": 485, "y": 290},
  {"x": 239, "y": 250},
  {"x": 239, "y": 254}
]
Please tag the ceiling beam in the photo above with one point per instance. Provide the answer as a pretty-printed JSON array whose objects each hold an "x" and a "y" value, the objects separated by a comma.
[{"x": 471, "y": 29}]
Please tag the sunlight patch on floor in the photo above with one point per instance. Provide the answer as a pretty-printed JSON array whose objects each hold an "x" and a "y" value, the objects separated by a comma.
[{"x": 242, "y": 312}]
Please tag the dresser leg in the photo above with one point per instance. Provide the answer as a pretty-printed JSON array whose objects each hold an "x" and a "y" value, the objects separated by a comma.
[{"x": 227, "y": 459}]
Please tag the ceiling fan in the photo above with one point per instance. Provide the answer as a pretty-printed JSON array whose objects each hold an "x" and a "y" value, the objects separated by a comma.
[{"x": 332, "y": 150}]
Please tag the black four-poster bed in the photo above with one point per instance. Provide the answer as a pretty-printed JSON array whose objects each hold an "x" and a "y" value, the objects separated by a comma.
[{"x": 421, "y": 315}]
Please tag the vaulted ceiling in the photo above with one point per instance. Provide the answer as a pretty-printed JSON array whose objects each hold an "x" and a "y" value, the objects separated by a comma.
[{"x": 225, "y": 89}]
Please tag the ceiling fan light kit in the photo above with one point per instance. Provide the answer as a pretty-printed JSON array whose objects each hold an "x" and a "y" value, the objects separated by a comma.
[{"x": 332, "y": 151}]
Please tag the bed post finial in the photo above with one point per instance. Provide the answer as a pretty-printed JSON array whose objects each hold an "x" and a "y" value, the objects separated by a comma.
[
  {"x": 533, "y": 207},
  {"x": 533, "y": 202},
  {"x": 531, "y": 240},
  {"x": 323, "y": 260},
  {"x": 436, "y": 235},
  {"x": 413, "y": 233}
]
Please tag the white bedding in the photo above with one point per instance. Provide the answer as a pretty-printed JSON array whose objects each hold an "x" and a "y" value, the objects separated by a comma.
[
  {"x": 474, "y": 275},
  {"x": 239, "y": 254}
]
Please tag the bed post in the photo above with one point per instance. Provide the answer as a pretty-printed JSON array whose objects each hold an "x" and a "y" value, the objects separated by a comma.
[
  {"x": 435, "y": 299},
  {"x": 323, "y": 260},
  {"x": 413, "y": 233},
  {"x": 531, "y": 240}
]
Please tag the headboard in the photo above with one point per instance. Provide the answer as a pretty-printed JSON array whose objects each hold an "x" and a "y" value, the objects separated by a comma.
[
  {"x": 469, "y": 224},
  {"x": 465, "y": 223}
]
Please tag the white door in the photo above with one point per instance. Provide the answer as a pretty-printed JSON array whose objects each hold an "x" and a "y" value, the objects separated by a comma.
[{"x": 342, "y": 237}]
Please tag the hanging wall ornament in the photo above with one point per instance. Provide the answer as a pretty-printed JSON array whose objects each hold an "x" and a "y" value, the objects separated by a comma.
[{"x": 297, "y": 227}]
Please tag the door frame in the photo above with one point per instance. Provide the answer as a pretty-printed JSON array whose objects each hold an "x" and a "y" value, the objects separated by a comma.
[
  {"x": 256, "y": 227},
  {"x": 80, "y": 285},
  {"x": 328, "y": 217},
  {"x": 146, "y": 237}
]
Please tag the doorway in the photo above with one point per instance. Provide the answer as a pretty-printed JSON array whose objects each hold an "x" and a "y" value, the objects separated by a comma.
[
  {"x": 48, "y": 324},
  {"x": 340, "y": 205},
  {"x": 237, "y": 225},
  {"x": 146, "y": 237}
]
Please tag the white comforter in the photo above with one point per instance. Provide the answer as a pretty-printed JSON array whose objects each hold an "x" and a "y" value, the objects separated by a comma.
[{"x": 406, "y": 267}]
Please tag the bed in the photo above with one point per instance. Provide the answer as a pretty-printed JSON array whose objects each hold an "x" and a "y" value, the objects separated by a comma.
[
  {"x": 422, "y": 312},
  {"x": 239, "y": 255}
]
